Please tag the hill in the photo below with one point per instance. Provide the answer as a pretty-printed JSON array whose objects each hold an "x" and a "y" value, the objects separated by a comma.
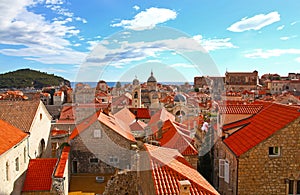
[{"x": 30, "y": 78}]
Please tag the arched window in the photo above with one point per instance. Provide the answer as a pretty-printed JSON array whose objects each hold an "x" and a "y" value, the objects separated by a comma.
[
  {"x": 136, "y": 94},
  {"x": 25, "y": 153}
]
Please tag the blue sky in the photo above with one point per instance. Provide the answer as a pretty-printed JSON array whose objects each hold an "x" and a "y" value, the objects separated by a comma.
[{"x": 120, "y": 39}]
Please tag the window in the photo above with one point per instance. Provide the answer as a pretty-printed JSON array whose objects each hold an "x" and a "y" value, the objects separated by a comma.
[
  {"x": 17, "y": 164},
  {"x": 294, "y": 187},
  {"x": 41, "y": 116},
  {"x": 25, "y": 153},
  {"x": 113, "y": 159},
  {"x": 224, "y": 169},
  {"x": 7, "y": 171},
  {"x": 221, "y": 168},
  {"x": 97, "y": 133},
  {"x": 94, "y": 160},
  {"x": 274, "y": 151},
  {"x": 226, "y": 172}
]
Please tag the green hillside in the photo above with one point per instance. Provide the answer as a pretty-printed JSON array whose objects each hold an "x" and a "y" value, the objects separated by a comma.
[{"x": 30, "y": 78}]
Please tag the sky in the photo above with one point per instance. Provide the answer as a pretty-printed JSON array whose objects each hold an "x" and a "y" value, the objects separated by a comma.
[{"x": 118, "y": 40}]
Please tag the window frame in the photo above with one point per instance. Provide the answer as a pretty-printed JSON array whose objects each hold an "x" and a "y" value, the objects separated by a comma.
[
  {"x": 274, "y": 152},
  {"x": 97, "y": 133}
]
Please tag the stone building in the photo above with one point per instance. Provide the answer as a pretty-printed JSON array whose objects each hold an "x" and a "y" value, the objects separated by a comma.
[
  {"x": 240, "y": 81},
  {"x": 166, "y": 172},
  {"x": 32, "y": 117},
  {"x": 100, "y": 145},
  {"x": 261, "y": 155},
  {"x": 13, "y": 156}
]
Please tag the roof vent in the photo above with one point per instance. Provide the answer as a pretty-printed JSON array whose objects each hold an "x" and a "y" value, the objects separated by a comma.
[{"x": 184, "y": 187}]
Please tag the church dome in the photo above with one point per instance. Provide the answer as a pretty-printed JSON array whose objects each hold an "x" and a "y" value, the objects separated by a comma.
[
  {"x": 179, "y": 98},
  {"x": 135, "y": 81},
  {"x": 151, "y": 78}
]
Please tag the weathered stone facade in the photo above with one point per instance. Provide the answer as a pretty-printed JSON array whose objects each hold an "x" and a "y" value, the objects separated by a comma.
[
  {"x": 102, "y": 154},
  {"x": 256, "y": 172}
]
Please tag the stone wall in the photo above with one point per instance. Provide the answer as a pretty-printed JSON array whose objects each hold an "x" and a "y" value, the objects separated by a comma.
[
  {"x": 112, "y": 150},
  {"x": 261, "y": 174}
]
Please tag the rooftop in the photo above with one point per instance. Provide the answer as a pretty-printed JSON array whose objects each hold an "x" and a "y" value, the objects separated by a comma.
[
  {"x": 39, "y": 175},
  {"x": 260, "y": 127},
  {"x": 9, "y": 136}
]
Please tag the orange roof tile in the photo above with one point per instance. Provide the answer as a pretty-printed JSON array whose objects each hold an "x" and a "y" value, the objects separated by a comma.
[
  {"x": 141, "y": 113},
  {"x": 261, "y": 126},
  {"x": 137, "y": 126},
  {"x": 19, "y": 113},
  {"x": 116, "y": 125},
  {"x": 9, "y": 136},
  {"x": 240, "y": 109},
  {"x": 39, "y": 174},
  {"x": 167, "y": 171},
  {"x": 160, "y": 116},
  {"x": 125, "y": 115},
  {"x": 62, "y": 164},
  {"x": 84, "y": 125},
  {"x": 174, "y": 137}
]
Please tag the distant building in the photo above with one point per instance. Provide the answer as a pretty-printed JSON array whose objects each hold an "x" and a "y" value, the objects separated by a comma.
[{"x": 240, "y": 81}]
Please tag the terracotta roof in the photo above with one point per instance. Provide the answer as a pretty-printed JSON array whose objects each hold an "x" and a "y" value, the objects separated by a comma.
[
  {"x": 9, "y": 136},
  {"x": 174, "y": 137},
  {"x": 58, "y": 132},
  {"x": 137, "y": 126},
  {"x": 84, "y": 125},
  {"x": 19, "y": 113},
  {"x": 39, "y": 174},
  {"x": 116, "y": 125},
  {"x": 125, "y": 115},
  {"x": 240, "y": 109},
  {"x": 160, "y": 116},
  {"x": 62, "y": 164},
  {"x": 167, "y": 171},
  {"x": 141, "y": 113},
  {"x": 261, "y": 126}
]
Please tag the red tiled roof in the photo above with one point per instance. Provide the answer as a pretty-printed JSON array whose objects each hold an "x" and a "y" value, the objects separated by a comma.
[
  {"x": 167, "y": 172},
  {"x": 137, "y": 126},
  {"x": 261, "y": 126},
  {"x": 56, "y": 132},
  {"x": 161, "y": 115},
  {"x": 240, "y": 109},
  {"x": 125, "y": 115},
  {"x": 61, "y": 166},
  {"x": 173, "y": 137},
  {"x": 19, "y": 113},
  {"x": 84, "y": 125},
  {"x": 116, "y": 125},
  {"x": 141, "y": 113},
  {"x": 9, "y": 136},
  {"x": 39, "y": 174}
]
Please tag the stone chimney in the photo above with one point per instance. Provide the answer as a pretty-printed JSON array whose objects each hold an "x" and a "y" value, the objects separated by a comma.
[{"x": 184, "y": 187}]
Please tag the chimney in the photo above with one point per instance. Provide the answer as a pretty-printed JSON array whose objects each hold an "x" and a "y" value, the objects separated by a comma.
[{"x": 184, "y": 187}]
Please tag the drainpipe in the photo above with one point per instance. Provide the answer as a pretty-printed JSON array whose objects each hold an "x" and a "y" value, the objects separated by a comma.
[{"x": 237, "y": 175}]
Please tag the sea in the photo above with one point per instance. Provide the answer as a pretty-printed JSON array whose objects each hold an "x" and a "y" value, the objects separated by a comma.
[{"x": 113, "y": 84}]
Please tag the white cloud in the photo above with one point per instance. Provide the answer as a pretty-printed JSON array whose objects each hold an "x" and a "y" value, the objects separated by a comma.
[
  {"x": 287, "y": 38},
  {"x": 147, "y": 19},
  {"x": 214, "y": 44},
  {"x": 293, "y": 23},
  {"x": 255, "y": 23},
  {"x": 136, "y": 7},
  {"x": 297, "y": 59},
  {"x": 260, "y": 53},
  {"x": 280, "y": 27},
  {"x": 84, "y": 21},
  {"x": 92, "y": 44},
  {"x": 39, "y": 39},
  {"x": 182, "y": 65}
]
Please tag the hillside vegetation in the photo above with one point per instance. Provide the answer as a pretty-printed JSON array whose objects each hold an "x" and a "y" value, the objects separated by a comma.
[{"x": 24, "y": 78}]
